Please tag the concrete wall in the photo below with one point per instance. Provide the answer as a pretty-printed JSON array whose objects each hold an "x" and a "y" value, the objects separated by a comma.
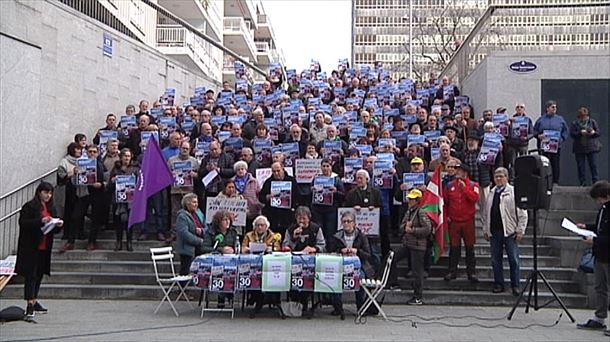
[
  {"x": 56, "y": 82},
  {"x": 492, "y": 84},
  {"x": 572, "y": 78}
]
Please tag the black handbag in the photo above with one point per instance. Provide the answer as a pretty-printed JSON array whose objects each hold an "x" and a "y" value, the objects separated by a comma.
[{"x": 587, "y": 262}]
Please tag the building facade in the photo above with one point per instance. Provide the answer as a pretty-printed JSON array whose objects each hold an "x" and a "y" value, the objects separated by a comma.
[
  {"x": 242, "y": 26},
  {"x": 247, "y": 31},
  {"x": 380, "y": 30}
]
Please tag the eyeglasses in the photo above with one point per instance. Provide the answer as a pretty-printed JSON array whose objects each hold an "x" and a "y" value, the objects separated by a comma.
[
  {"x": 347, "y": 221},
  {"x": 91, "y": 151}
]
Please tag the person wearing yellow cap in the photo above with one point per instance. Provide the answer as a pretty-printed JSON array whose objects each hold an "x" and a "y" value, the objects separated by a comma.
[{"x": 417, "y": 227}]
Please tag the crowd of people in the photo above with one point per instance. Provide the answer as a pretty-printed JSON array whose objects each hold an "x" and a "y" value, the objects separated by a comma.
[{"x": 374, "y": 136}]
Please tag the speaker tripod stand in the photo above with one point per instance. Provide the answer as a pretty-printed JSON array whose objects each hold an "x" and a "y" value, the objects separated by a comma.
[{"x": 532, "y": 283}]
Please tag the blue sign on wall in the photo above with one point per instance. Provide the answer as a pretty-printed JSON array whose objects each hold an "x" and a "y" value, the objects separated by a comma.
[
  {"x": 522, "y": 67},
  {"x": 107, "y": 46}
]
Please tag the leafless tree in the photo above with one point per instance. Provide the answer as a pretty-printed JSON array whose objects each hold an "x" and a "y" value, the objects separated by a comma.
[{"x": 438, "y": 33}]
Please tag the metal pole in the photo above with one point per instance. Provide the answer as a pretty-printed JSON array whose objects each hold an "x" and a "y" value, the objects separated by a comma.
[
  {"x": 203, "y": 36},
  {"x": 411, "y": 39}
]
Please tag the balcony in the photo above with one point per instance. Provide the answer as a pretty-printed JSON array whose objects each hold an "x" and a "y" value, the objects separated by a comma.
[
  {"x": 203, "y": 14},
  {"x": 263, "y": 29},
  {"x": 185, "y": 47},
  {"x": 240, "y": 9},
  {"x": 228, "y": 70},
  {"x": 238, "y": 37},
  {"x": 263, "y": 53}
]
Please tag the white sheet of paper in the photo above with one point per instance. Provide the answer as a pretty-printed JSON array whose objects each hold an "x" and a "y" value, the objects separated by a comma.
[
  {"x": 257, "y": 247},
  {"x": 209, "y": 178},
  {"x": 571, "y": 226},
  {"x": 50, "y": 225},
  {"x": 277, "y": 278}
]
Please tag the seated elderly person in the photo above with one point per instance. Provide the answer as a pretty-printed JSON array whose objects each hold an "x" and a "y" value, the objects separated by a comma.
[
  {"x": 349, "y": 241},
  {"x": 263, "y": 235},
  {"x": 190, "y": 226},
  {"x": 305, "y": 236}
]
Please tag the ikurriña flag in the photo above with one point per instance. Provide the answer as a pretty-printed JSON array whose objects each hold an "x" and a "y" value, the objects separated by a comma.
[
  {"x": 154, "y": 176},
  {"x": 432, "y": 205}
]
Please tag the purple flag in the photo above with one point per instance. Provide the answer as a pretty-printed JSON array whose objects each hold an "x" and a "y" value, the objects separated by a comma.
[{"x": 154, "y": 176}]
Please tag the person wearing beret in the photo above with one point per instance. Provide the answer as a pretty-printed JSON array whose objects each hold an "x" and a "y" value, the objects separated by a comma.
[{"x": 461, "y": 196}]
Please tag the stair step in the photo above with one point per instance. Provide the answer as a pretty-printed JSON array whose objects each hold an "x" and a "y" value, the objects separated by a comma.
[
  {"x": 436, "y": 297},
  {"x": 108, "y": 244},
  {"x": 484, "y": 285},
  {"x": 94, "y": 278},
  {"x": 551, "y": 273},
  {"x": 485, "y": 260}
]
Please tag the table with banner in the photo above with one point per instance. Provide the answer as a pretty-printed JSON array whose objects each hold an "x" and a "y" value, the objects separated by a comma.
[{"x": 277, "y": 272}]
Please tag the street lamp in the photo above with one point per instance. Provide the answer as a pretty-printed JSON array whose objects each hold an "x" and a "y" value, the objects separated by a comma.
[{"x": 410, "y": 17}]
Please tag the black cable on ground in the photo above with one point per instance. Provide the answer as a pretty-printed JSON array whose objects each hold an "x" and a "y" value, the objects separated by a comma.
[
  {"x": 110, "y": 332},
  {"x": 437, "y": 320}
]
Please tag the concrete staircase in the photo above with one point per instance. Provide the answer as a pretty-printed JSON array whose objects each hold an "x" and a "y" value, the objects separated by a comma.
[{"x": 106, "y": 274}]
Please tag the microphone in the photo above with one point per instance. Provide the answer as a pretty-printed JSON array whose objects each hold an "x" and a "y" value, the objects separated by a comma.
[
  {"x": 277, "y": 237},
  {"x": 237, "y": 246},
  {"x": 218, "y": 238}
]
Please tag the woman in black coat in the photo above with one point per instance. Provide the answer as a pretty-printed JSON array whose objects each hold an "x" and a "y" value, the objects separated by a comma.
[
  {"x": 34, "y": 247},
  {"x": 586, "y": 146}
]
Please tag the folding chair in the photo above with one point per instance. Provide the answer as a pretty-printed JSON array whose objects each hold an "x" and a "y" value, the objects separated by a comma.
[
  {"x": 374, "y": 288},
  {"x": 175, "y": 282}
]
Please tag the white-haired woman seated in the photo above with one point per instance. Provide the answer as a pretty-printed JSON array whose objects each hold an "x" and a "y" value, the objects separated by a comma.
[{"x": 262, "y": 234}]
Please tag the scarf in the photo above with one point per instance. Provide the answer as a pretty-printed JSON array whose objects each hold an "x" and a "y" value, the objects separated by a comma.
[
  {"x": 583, "y": 124},
  {"x": 240, "y": 183}
]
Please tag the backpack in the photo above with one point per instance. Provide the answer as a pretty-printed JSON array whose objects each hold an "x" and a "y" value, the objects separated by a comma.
[{"x": 12, "y": 313}]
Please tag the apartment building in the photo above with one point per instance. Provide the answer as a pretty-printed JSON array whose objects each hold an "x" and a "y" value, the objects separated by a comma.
[
  {"x": 381, "y": 30},
  {"x": 242, "y": 26},
  {"x": 247, "y": 30}
]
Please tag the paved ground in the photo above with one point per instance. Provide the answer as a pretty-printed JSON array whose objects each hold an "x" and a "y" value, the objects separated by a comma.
[{"x": 79, "y": 320}]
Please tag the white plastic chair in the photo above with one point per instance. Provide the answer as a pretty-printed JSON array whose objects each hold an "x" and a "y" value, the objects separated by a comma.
[
  {"x": 175, "y": 282},
  {"x": 374, "y": 288}
]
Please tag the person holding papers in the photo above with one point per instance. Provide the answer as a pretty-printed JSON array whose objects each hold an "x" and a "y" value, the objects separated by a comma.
[
  {"x": 551, "y": 126},
  {"x": 36, "y": 228},
  {"x": 326, "y": 200},
  {"x": 259, "y": 240},
  {"x": 503, "y": 225},
  {"x": 600, "y": 192},
  {"x": 120, "y": 210},
  {"x": 280, "y": 203}
]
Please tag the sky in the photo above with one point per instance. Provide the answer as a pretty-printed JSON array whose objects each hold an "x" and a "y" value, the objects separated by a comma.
[{"x": 319, "y": 29}]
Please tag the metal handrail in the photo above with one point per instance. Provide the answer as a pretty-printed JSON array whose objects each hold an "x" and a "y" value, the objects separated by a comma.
[
  {"x": 10, "y": 207},
  {"x": 27, "y": 184}
]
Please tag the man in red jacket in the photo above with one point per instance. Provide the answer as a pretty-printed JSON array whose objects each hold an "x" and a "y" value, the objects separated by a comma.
[{"x": 461, "y": 196}]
